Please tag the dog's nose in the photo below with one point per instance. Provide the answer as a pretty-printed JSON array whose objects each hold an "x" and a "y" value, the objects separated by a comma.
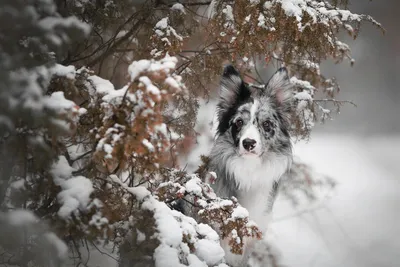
[{"x": 249, "y": 144}]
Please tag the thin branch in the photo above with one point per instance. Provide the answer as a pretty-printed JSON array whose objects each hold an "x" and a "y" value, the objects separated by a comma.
[
  {"x": 103, "y": 253},
  {"x": 111, "y": 48},
  {"x": 193, "y": 4},
  {"x": 82, "y": 156},
  {"x": 336, "y": 102},
  {"x": 298, "y": 213}
]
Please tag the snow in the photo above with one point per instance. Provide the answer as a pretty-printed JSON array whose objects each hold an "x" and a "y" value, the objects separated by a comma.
[
  {"x": 226, "y": 202},
  {"x": 142, "y": 100},
  {"x": 101, "y": 85},
  {"x": 170, "y": 233},
  {"x": 140, "y": 192},
  {"x": 149, "y": 86},
  {"x": 293, "y": 7},
  {"x": 98, "y": 220},
  {"x": 303, "y": 96},
  {"x": 358, "y": 224},
  {"x": 162, "y": 28},
  {"x": 166, "y": 64},
  {"x": 26, "y": 227},
  {"x": 228, "y": 11},
  {"x": 254, "y": 2},
  {"x": 75, "y": 191},
  {"x": 107, "y": 148},
  {"x": 209, "y": 251},
  {"x": 52, "y": 23},
  {"x": 311, "y": 65},
  {"x": 121, "y": 34},
  {"x": 61, "y": 169},
  {"x": 192, "y": 186},
  {"x": 138, "y": 67},
  {"x": 162, "y": 24},
  {"x": 56, "y": 101},
  {"x": 20, "y": 217},
  {"x": 18, "y": 184},
  {"x": 173, "y": 83},
  {"x": 169, "y": 230},
  {"x": 172, "y": 226},
  {"x": 195, "y": 261},
  {"x": 240, "y": 213},
  {"x": 75, "y": 195},
  {"x": 319, "y": 12},
  {"x": 165, "y": 256},
  {"x": 60, "y": 247},
  {"x": 82, "y": 111},
  {"x": 64, "y": 71},
  {"x": 161, "y": 128},
  {"x": 116, "y": 95},
  {"x": 261, "y": 20},
  {"x": 148, "y": 145},
  {"x": 267, "y": 5},
  {"x": 165, "y": 39},
  {"x": 301, "y": 83},
  {"x": 140, "y": 236},
  {"x": 353, "y": 226},
  {"x": 179, "y": 7}
]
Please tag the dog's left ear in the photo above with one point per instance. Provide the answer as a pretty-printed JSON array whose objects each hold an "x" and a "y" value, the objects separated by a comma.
[{"x": 280, "y": 89}]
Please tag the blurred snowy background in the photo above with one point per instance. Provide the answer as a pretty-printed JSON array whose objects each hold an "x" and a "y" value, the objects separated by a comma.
[{"x": 358, "y": 224}]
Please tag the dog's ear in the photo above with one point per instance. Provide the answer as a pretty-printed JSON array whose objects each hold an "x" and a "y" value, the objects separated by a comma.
[
  {"x": 280, "y": 89},
  {"x": 232, "y": 89}
]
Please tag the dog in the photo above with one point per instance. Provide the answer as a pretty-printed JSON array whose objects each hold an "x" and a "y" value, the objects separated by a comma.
[{"x": 252, "y": 148}]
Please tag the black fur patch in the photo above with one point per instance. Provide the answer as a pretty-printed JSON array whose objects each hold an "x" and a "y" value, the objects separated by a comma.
[
  {"x": 235, "y": 132},
  {"x": 230, "y": 70},
  {"x": 225, "y": 117}
]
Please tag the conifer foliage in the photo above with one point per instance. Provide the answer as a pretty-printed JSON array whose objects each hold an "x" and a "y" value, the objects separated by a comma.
[{"x": 99, "y": 98}]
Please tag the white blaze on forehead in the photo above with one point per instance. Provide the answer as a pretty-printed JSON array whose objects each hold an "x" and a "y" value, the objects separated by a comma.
[
  {"x": 251, "y": 131},
  {"x": 253, "y": 110}
]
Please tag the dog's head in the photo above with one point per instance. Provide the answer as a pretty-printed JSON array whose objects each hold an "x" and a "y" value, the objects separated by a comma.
[{"x": 256, "y": 120}]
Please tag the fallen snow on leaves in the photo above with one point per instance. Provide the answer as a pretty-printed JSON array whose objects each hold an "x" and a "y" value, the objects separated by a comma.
[
  {"x": 172, "y": 226},
  {"x": 75, "y": 191}
]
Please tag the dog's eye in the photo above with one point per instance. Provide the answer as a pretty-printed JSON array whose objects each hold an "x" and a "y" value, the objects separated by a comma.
[
  {"x": 267, "y": 126},
  {"x": 239, "y": 123}
]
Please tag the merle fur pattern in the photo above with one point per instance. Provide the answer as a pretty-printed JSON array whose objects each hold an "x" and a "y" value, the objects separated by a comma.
[{"x": 251, "y": 173}]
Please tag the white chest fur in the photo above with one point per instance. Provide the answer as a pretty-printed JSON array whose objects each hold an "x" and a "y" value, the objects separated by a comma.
[
  {"x": 256, "y": 202},
  {"x": 255, "y": 179}
]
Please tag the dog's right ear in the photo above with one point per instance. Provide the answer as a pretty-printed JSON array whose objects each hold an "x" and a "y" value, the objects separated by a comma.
[{"x": 233, "y": 88}]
